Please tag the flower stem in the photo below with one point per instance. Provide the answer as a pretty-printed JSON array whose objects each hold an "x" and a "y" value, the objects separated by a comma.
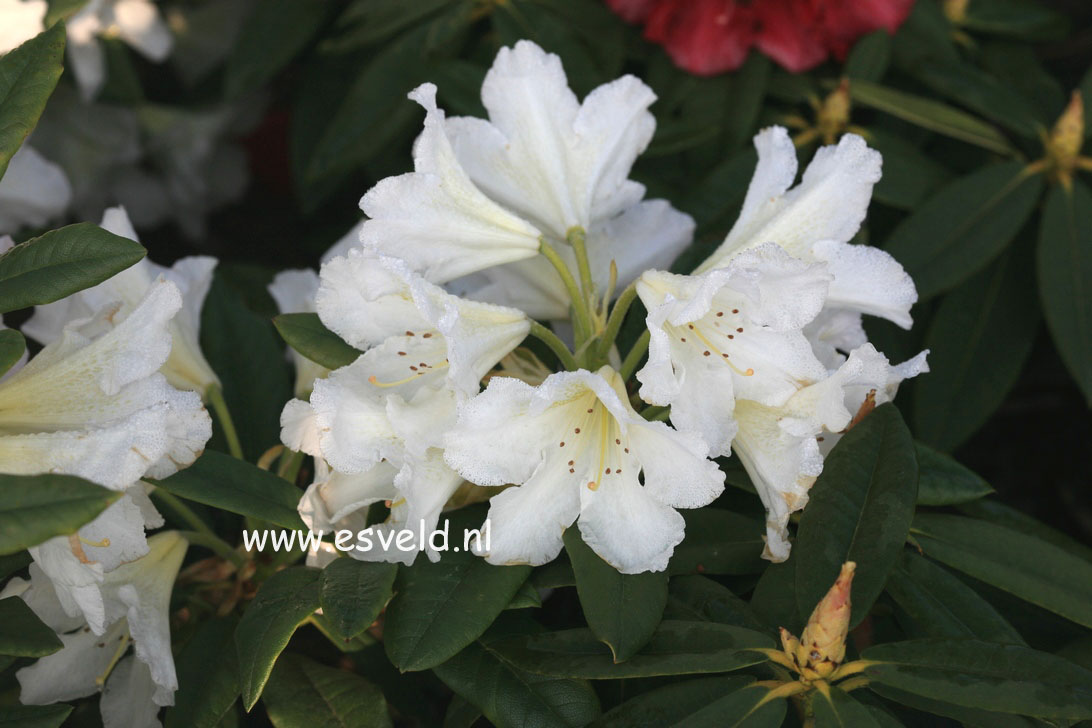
[
  {"x": 576, "y": 237},
  {"x": 617, "y": 315},
  {"x": 290, "y": 466},
  {"x": 633, "y": 358},
  {"x": 549, "y": 338},
  {"x": 215, "y": 398},
  {"x": 182, "y": 510},
  {"x": 215, "y": 544},
  {"x": 581, "y": 318}
]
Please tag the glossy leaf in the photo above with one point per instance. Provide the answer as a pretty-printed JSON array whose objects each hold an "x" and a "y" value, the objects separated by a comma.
[
  {"x": 944, "y": 482},
  {"x": 12, "y": 348},
  {"x": 270, "y": 37},
  {"x": 835, "y": 708},
  {"x": 910, "y": 175},
  {"x": 34, "y": 716},
  {"x": 983, "y": 93},
  {"x": 1034, "y": 570},
  {"x": 35, "y": 508},
  {"x": 303, "y": 694},
  {"x": 967, "y": 716},
  {"x": 354, "y": 593},
  {"x": 676, "y": 648},
  {"x": 283, "y": 602},
  {"x": 622, "y": 610},
  {"x": 306, "y": 334},
  {"x": 22, "y": 633},
  {"x": 1023, "y": 19},
  {"x": 719, "y": 541},
  {"x": 984, "y": 675},
  {"x": 859, "y": 510},
  {"x": 222, "y": 481},
  {"x": 964, "y": 226},
  {"x": 671, "y": 705},
  {"x": 208, "y": 677},
  {"x": 869, "y": 58},
  {"x": 978, "y": 341},
  {"x": 941, "y": 605},
  {"x": 774, "y": 597},
  {"x": 1065, "y": 277},
  {"x": 749, "y": 707},
  {"x": 994, "y": 511},
  {"x": 696, "y": 598},
  {"x": 28, "y": 75},
  {"x": 61, "y": 262}
]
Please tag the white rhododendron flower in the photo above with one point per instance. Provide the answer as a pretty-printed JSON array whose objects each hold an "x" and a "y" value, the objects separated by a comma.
[
  {"x": 577, "y": 450},
  {"x": 136, "y": 598},
  {"x": 137, "y": 22},
  {"x": 33, "y": 192},
  {"x": 186, "y": 367},
  {"x": 485, "y": 193},
  {"x": 426, "y": 351},
  {"x": 815, "y": 220},
  {"x": 20, "y": 20}
]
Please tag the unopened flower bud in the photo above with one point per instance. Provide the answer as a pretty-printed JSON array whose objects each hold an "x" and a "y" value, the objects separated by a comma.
[
  {"x": 822, "y": 646},
  {"x": 956, "y": 10},
  {"x": 834, "y": 113},
  {"x": 1063, "y": 146}
]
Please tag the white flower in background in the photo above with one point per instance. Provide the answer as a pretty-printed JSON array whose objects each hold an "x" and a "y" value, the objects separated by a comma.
[
  {"x": 20, "y": 20},
  {"x": 485, "y": 191},
  {"x": 33, "y": 192},
  {"x": 814, "y": 222},
  {"x": 426, "y": 351},
  {"x": 137, "y": 599},
  {"x": 186, "y": 367},
  {"x": 732, "y": 333},
  {"x": 781, "y": 447},
  {"x": 137, "y": 22},
  {"x": 577, "y": 450}
]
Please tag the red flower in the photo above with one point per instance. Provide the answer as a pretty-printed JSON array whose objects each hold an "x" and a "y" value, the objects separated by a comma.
[{"x": 711, "y": 36}]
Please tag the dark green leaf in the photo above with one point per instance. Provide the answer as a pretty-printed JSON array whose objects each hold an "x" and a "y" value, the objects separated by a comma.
[
  {"x": 835, "y": 708},
  {"x": 461, "y": 713},
  {"x": 941, "y": 605},
  {"x": 304, "y": 694},
  {"x": 993, "y": 510},
  {"x": 283, "y": 602},
  {"x": 774, "y": 598},
  {"x": 354, "y": 592},
  {"x": 1065, "y": 277},
  {"x": 929, "y": 114},
  {"x": 944, "y": 482},
  {"x": 967, "y": 716},
  {"x": 983, "y": 93},
  {"x": 11, "y": 563},
  {"x": 676, "y": 648},
  {"x": 12, "y": 348},
  {"x": 750, "y": 707},
  {"x": 1035, "y": 571},
  {"x": 35, "y": 508},
  {"x": 61, "y": 262},
  {"x": 33, "y": 716},
  {"x": 672, "y": 704},
  {"x": 28, "y": 75},
  {"x": 869, "y": 58},
  {"x": 273, "y": 34},
  {"x": 909, "y": 174},
  {"x": 695, "y": 598},
  {"x": 859, "y": 510},
  {"x": 208, "y": 677},
  {"x": 368, "y": 21},
  {"x": 622, "y": 610},
  {"x": 508, "y": 696},
  {"x": 222, "y": 481},
  {"x": 526, "y": 598},
  {"x": 439, "y": 608},
  {"x": 964, "y": 226},
  {"x": 1023, "y": 19},
  {"x": 22, "y": 633},
  {"x": 306, "y": 334},
  {"x": 986, "y": 676},
  {"x": 978, "y": 341},
  {"x": 719, "y": 541}
]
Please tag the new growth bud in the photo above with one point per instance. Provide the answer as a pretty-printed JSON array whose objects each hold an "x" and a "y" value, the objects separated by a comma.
[
  {"x": 822, "y": 646},
  {"x": 1063, "y": 145}
]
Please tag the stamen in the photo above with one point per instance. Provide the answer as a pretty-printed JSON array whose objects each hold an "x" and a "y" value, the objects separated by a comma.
[
  {"x": 724, "y": 357},
  {"x": 123, "y": 644},
  {"x": 416, "y": 373},
  {"x": 104, "y": 543}
]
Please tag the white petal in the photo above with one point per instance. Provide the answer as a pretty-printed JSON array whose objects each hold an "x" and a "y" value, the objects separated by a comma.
[
  {"x": 868, "y": 280},
  {"x": 627, "y": 527},
  {"x": 23, "y": 19},
  {"x": 532, "y": 286},
  {"x": 33, "y": 191},
  {"x": 120, "y": 531},
  {"x": 344, "y": 244},
  {"x": 126, "y": 700},
  {"x": 73, "y": 671},
  {"x": 329, "y": 504},
  {"x": 76, "y": 584},
  {"x": 299, "y": 428},
  {"x": 140, "y": 25},
  {"x": 676, "y": 470},
  {"x": 41, "y": 596},
  {"x": 833, "y": 331},
  {"x": 294, "y": 290},
  {"x": 650, "y": 234},
  {"x": 88, "y": 62}
]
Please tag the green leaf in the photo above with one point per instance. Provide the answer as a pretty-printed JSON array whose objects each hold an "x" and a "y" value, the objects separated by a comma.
[
  {"x": 28, "y": 76},
  {"x": 978, "y": 340},
  {"x": 859, "y": 510},
  {"x": 35, "y": 508},
  {"x": 22, "y": 633},
  {"x": 835, "y": 708},
  {"x": 983, "y": 675},
  {"x": 222, "y": 481},
  {"x": 944, "y": 482},
  {"x": 967, "y": 716},
  {"x": 1065, "y": 277},
  {"x": 981, "y": 92},
  {"x": 269, "y": 39},
  {"x": 283, "y": 602},
  {"x": 910, "y": 175},
  {"x": 994, "y": 511},
  {"x": 11, "y": 563},
  {"x": 929, "y": 114},
  {"x": 303, "y": 694},
  {"x": 673, "y": 704},
  {"x": 696, "y": 598},
  {"x": 208, "y": 677},
  {"x": 941, "y": 605},
  {"x": 439, "y": 608},
  {"x": 526, "y": 598},
  {"x": 12, "y": 348},
  {"x": 1035, "y": 571},
  {"x": 774, "y": 598},
  {"x": 461, "y": 713},
  {"x": 508, "y": 696},
  {"x": 354, "y": 593},
  {"x": 676, "y": 648},
  {"x": 749, "y": 707},
  {"x": 368, "y": 21},
  {"x": 869, "y": 58},
  {"x": 34, "y": 716},
  {"x": 1023, "y": 19},
  {"x": 622, "y": 610},
  {"x": 61, "y": 262},
  {"x": 964, "y": 226},
  {"x": 719, "y": 541},
  {"x": 305, "y": 333}
]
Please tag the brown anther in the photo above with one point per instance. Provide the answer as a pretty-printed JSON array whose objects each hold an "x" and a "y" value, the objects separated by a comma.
[
  {"x": 576, "y": 430},
  {"x": 409, "y": 333},
  {"x": 705, "y": 353},
  {"x": 426, "y": 336}
]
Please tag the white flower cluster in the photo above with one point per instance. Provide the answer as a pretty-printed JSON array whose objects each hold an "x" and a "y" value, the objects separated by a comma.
[{"x": 760, "y": 352}]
